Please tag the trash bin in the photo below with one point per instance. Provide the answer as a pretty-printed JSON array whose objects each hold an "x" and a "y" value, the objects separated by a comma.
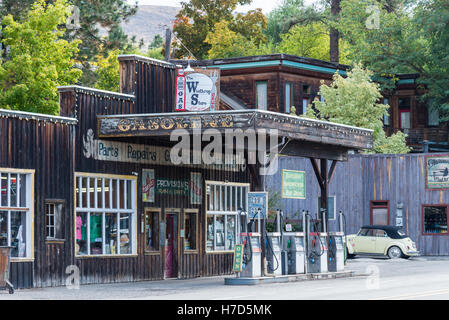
[{"x": 5, "y": 253}]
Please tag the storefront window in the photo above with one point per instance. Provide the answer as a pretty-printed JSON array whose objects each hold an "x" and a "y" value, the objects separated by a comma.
[
  {"x": 15, "y": 217},
  {"x": 152, "y": 230},
  {"x": 435, "y": 219},
  {"x": 54, "y": 211},
  {"x": 190, "y": 230},
  {"x": 105, "y": 215},
  {"x": 225, "y": 199}
]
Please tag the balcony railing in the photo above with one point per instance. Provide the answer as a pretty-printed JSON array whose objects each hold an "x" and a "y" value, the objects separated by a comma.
[{"x": 417, "y": 137}]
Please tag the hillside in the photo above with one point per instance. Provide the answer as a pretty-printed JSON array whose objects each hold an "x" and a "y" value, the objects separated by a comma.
[{"x": 149, "y": 21}]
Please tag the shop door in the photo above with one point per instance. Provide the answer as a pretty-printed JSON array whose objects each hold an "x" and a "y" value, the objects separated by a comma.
[{"x": 171, "y": 245}]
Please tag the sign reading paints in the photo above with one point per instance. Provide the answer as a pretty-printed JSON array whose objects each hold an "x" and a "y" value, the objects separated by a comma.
[
  {"x": 293, "y": 184},
  {"x": 197, "y": 91}
]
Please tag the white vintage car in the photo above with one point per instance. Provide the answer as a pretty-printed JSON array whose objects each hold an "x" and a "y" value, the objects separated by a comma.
[{"x": 387, "y": 241}]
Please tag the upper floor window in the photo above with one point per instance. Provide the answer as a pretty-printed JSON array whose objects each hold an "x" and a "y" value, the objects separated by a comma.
[
  {"x": 288, "y": 96},
  {"x": 261, "y": 95},
  {"x": 387, "y": 116},
  {"x": 433, "y": 116},
  {"x": 404, "y": 111}
]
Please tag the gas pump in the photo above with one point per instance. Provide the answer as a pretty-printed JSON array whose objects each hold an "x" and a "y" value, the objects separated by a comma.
[
  {"x": 252, "y": 253},
  {"x": 274, "y": 252},
  {"x": 336, "y": 248},
  {"x": 316, "y": 246},
  {"x": 294, "y": 244}
]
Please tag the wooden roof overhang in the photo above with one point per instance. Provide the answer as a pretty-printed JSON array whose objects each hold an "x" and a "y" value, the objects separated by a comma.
[{"x": 300, "y": 136}]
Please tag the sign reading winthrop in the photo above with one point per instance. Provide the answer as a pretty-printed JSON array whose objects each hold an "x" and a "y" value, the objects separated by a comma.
[{"x": 197, "y": 91}]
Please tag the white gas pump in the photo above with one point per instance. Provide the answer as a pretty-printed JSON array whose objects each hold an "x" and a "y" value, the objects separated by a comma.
[
  {"x": 294, "y": 245},
  {"x": 252, "y": 255},
  {"x": 337, "y": 248},
  {"x": 274, "y": 248},
  {"x": 316, "y": 246}
]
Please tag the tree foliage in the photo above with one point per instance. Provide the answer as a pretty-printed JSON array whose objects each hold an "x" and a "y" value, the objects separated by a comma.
[
  {"x": 411, "y": 37},
  {"x": 354, "y": 101},
  {"x": 39, "y": 60},
  {"x": 198, "y": 18}
]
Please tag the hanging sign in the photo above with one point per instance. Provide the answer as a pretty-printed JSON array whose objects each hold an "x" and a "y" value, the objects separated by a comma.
[
  {"x": 238, "y": 258},
  {"x": 293, "y": 184},
  {"x": 197, "y": 91},
  {"x": 256, "y": 201},
  {"x": 148, "y": 185},
  {"x": 437, "y": 172}
]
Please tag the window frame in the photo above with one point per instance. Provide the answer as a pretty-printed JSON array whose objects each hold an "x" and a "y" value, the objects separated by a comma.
[
  {"x": 375, "y": 204},
  {"x": 386, "y": 118},
  {"x": 256, "y": 83},
  {"x": 223, "y": 213},
  {"x": 422, "y": 219},
  {"x": 153, "y": 211},
  {"x": 28, "y": 209},
  {"x": 197, "y": 229},
  {"x": 288, "y": 108},
  {"x": 429, "y": 111},
  {"x": 133, "y": 237},
  {"x": 63, "y": 204}
]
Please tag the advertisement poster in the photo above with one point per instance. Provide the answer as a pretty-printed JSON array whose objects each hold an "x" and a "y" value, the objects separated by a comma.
[
  {"x": 196, "y": 188},
  {"x": 256, "y": 201},
  {"x": 293, "y": 184},
  {"x": 437, "y": 172},
  {"x": 148, "y": 185}
]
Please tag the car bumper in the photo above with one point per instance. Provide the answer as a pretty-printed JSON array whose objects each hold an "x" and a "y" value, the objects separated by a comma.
[{"x": 413, "y": 253}]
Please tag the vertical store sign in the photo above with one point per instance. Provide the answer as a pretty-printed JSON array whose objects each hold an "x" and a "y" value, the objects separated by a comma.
[
  {"x": 148, "y": 185},
  {"x": 180, "y": 91},
  {"x": 238, "y": 258},
  {"x": 196, "y": 188}
]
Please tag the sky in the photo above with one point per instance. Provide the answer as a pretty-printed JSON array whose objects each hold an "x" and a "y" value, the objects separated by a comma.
[{"x": 266, "y": 5}]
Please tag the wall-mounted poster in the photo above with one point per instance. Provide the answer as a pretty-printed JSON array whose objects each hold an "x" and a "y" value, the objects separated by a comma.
[
  {"x": 437, "y": 172},
  {"x": 198, "y": 90},
  {"x": 148, "y": 185},
  {"x": 196, "y": 188},
  {"x": 293, "y": 184}
]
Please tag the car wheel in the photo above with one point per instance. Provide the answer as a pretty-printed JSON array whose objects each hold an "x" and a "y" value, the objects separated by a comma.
[{"x": 394, "y": 252}]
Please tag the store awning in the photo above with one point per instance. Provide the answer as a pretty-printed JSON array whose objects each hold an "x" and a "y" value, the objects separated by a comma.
[{"x": 305, "y": 137}]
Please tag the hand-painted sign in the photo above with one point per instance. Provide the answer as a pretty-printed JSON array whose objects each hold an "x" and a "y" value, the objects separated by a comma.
[
  {"x": 437, "y": 172},
  {"x": 148, "y": 185},
  {"x": 172, "y": 187},
  {"x": 105, "y": 150},
  {"x": 197, "y": 91},
  {"x": 238, "y": 258},
  {"x": 256, "y": 201},
  {"x": 293, "y": 184}
]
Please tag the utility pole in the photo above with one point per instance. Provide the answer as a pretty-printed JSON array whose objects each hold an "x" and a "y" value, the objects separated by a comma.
[{"x": 167, "y": 43}]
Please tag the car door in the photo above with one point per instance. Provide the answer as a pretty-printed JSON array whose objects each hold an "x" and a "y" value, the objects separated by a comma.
[
  {"x": 382, "y": 240},
  {"x": 365, "y": 242}
]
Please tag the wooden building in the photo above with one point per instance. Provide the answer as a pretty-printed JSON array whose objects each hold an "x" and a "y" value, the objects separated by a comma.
[
  {"x": 379, "y": 189},
  {"x": 96, "y": 190},
  {"x": 279, "y": 81}
]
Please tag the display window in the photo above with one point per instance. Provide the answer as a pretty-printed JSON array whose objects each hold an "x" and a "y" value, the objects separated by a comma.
[
  {"x": 105, "y": 220},
  {"x": 435, "y": 220},
  {"x": 222, "y": 205},
  {"x": 16, "y": 210}
]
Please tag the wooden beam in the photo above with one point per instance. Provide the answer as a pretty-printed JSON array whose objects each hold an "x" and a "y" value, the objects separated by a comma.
[
  {"x": 331, "y": 171},
  {"x": 317, "y": 171}
]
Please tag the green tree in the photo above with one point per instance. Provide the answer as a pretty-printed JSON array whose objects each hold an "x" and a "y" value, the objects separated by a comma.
[
  {"x": 198, "y": 18},
  {"x": 157, "y": 42},
  {"x": 98, "y": 26},
  {"x": 39, "y": 60},
  {"x": 311, "y": 40},
  {"x": 411, "y": 37},
  {"x": 354, "y": 101}
]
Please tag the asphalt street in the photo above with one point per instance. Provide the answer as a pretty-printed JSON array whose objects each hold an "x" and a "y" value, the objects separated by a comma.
[{"x": 382, "y": 279}]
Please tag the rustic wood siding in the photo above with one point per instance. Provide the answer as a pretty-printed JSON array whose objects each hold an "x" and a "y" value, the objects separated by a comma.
[{"x": 365, "y": 178}]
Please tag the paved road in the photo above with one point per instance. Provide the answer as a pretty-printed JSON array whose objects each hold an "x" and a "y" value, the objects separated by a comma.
[{"x": 416, "y": 278}]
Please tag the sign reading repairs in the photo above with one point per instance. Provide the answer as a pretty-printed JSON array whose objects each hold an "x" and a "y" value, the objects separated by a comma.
[{"x": 437, "y": 172}]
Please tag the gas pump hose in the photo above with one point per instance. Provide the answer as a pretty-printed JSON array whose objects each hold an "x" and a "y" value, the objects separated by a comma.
[{"x": 271, "y": 249}]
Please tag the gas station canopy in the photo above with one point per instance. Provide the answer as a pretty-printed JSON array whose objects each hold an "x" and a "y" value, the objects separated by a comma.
[{"x": 305, "y": 137}]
